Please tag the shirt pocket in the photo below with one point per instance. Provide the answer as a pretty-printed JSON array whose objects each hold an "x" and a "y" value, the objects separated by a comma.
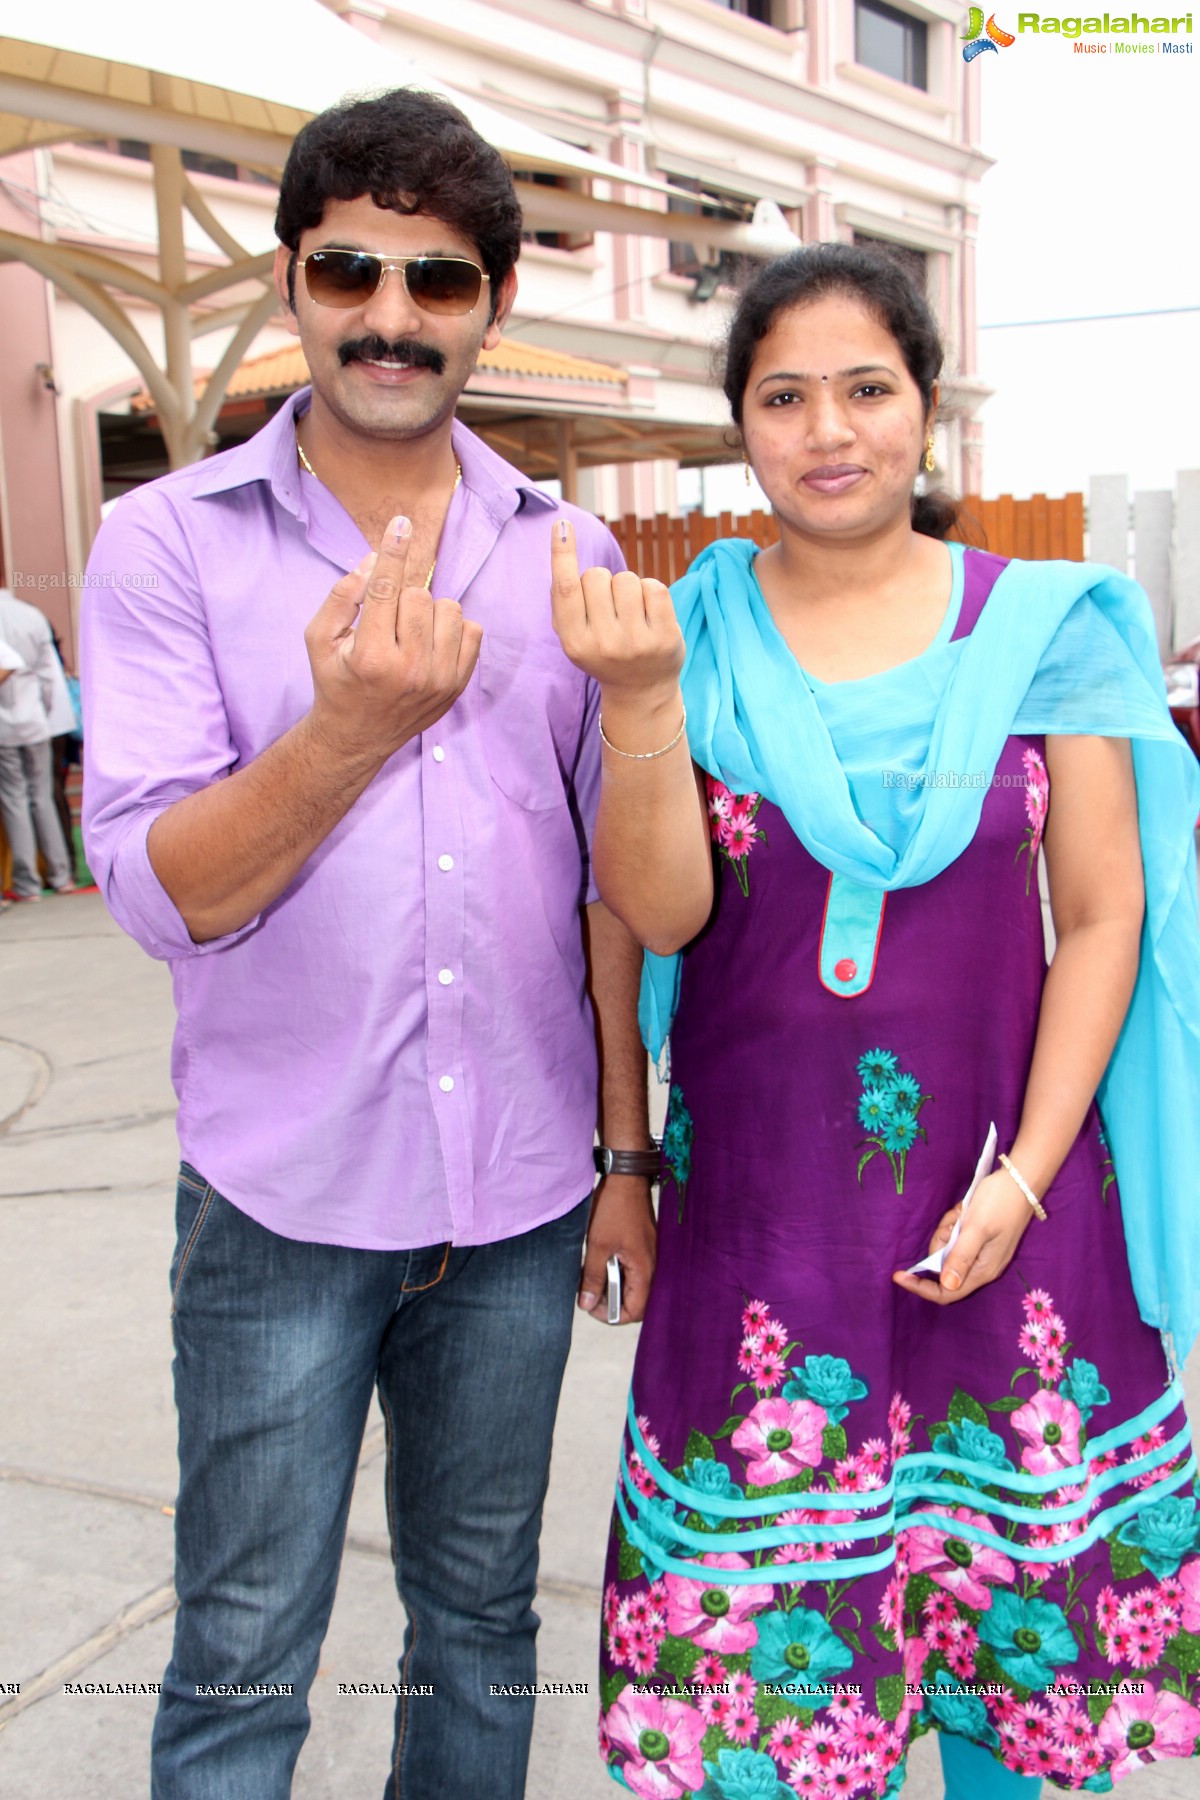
[{"x": 531, "y": 704}]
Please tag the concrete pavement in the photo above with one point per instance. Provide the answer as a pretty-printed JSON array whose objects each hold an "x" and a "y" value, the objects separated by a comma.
[{"x": 87, "y": 1453}]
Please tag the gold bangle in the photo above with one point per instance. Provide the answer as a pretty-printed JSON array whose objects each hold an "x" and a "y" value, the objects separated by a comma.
[
  {"x": 641, "y": 755},
  {"x": 1039, "y": 1211}
]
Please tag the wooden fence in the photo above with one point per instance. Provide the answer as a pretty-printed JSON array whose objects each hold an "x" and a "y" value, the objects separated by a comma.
[{"x": 1037, "y": 528}]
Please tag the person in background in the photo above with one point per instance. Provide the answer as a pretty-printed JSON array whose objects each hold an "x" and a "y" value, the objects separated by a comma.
[
  {"x": 896, "y": 1462},
  {"x": 34, "y": 709},
  {"x": 355, "y": 820}
]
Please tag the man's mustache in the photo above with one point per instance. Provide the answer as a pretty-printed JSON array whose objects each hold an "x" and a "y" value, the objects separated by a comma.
[{"x": 406, "y": 350}]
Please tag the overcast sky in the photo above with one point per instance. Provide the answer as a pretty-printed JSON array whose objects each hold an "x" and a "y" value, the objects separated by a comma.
[{"x": 1091, "y": 208}]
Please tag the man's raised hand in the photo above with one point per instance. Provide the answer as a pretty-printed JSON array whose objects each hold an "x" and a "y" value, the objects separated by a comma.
[
  {"x": 386, "y": 672},
  {"x": 619, "y": 629}
]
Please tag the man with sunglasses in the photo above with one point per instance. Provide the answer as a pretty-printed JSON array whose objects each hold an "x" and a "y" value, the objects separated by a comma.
[{"x": 342, "y": 778}]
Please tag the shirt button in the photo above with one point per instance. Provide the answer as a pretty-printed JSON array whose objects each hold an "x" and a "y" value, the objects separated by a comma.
[
  {"x": 446, "y": 1083},
  {"x": 439, "y": 755},
  {"x": 846, "y": 970},
  {"x": 445, "y": 976},
  {"x": 445, "y": 862}
]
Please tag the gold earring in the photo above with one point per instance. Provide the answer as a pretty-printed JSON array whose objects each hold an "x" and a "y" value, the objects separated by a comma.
[
  {"x": 929, "y": 461},
  {"x": 746, "y": 461}
]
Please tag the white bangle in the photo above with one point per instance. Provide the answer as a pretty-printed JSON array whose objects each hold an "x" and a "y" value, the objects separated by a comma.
[
  {"x": 641, "y": 755},
  {"x": 1039, "y": 1211}
]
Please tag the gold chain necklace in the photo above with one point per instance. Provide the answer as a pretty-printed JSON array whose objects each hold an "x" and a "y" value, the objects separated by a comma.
[{"x": 457, "y": 479}]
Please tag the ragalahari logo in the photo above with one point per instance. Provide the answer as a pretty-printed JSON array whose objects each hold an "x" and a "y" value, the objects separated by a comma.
[{"x": 974, "y": 40}]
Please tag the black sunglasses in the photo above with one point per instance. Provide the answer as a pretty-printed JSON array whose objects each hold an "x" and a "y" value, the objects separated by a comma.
[{"x": 348, "y": 278}]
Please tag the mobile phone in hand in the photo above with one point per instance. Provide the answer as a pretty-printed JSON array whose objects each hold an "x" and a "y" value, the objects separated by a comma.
[{"x": 614, "y": 1290}]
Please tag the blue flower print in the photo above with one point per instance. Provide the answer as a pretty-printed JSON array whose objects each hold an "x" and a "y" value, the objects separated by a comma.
[
  {"x": 705, "y": 1476},
  {"x": 677, "y": 1144},
  {"x": 873, "y": 1109},
  {"x": 743, "y": 1775},
  {"x": 799, "y": 1647},
  {"x": 904, "y": 1093},
  {"x": 829, "y": 1381},
  {"x": 973, "y": 1442},
  {"x": 1031, "y": 1638},
  {"x": 657, "y": 1536},
  {"x": 1164, "y": 1534},
  {"x": 1083, "y": 1385},
  {"x": 960, "y": 1712},
  {"x": 900, "y": 1134},
  {"x": 877, "y": 1067}
]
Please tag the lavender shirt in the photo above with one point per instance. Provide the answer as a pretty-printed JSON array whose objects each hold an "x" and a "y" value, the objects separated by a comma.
[{"x": 399, "y": 1050}]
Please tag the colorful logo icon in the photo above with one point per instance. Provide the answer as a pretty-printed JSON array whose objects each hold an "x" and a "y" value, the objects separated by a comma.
[{"x": 974, "y": 40}]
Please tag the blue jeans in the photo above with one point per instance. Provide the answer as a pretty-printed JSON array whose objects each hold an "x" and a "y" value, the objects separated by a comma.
[{"x": 278, "y": 1345}]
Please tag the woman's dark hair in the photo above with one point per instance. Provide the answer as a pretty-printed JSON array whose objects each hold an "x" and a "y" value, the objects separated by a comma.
[
  {"x": 413, "y": 153},
  {"x": 880, "y": 284}
]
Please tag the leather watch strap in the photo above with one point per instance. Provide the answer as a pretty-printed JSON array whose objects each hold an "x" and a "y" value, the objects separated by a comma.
[{"x": 627, "y": 1162}]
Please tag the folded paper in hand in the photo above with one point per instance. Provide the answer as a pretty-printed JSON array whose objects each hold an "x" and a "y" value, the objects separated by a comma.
[{"x": 932, "y": 1265}]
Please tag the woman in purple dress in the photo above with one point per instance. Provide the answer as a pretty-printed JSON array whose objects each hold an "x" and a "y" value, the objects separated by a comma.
[{"x": 857, "y": 1503}]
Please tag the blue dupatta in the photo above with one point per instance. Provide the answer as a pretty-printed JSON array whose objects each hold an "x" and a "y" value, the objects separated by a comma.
[{"x": 1058, "y": 648}]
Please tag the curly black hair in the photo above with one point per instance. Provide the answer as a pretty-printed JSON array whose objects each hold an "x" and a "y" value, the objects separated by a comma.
[
  {"x": 884, "y": 287},
  {"x": 412, "y": 153}
]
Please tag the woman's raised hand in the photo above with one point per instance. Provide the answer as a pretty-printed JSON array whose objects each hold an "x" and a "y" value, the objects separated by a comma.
[{"x": 619, "y": 629}]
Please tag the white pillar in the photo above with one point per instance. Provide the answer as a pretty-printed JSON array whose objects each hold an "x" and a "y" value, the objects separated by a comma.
[
  {"x": 1152, "y": 509},
  {"x": 1108, "y": 521},
  {"x": 1187, "y": 557}
]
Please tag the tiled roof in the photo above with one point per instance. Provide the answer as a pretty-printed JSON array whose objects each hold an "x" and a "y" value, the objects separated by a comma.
[{"x": 282, "y": 371}]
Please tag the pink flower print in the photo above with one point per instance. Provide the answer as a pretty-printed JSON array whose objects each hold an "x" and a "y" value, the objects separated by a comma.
[
  {"x": 620, "y": 1645},
  {"x": 772, "y": 1338},
  {"x": 1139, "y": 1729},
  {"x": 938, "y": 1636},
  {"x": 742, "y": 1686},
  {"x": 940, "y": 1605},
  {"x": 716, "y": 1617},
  {"x": 1037, "y": 1304},
  {"x": 755, "y": 1315},
  {"x": 710, "y": 1671},
  {"x": 644, "y": 1653},
  {"x": 962, "y": 1567},
  {"x": 747, "y": 1357},
  {"x": 1189, "y": 1581},
  {"x": 870, "y": 1736},
  {"x": 641, "y": 1477},
  {"x": 841, "y": 1777},
  {"x": 648, "y": 1436},
  {"x": 1037, "y": 800},
  {"x": 821, "y": 1743},
  {"x": 1107, "y": 1609},
  {"x": 611, "y": 1603},
  {"x": 806, "y": 1775},
  {"x": 846, "y": 1710},
  {"x": 874, "y": 1458},
  {"x": 1056, "y": 1332},
  {"x": 767, "y": 1372},
  {"x": 660, "y": 1739},
  {"x": 899, "y": 1417},
  {"x": 737, "y": 834},
  {"x": 715, "y": 1708},
  {"x": 783, "y": 1743},
  {"x": 1050, "y": 1424},
  {"x": 1032, "y": 1339},
  {"x": 779, "y": 1438},
  {"x": 848, "y": 1477},
  {"x": 806, "y": 1550},
  {"x": 1050, "y": 1364},
  {"x": 742, "y": 1724},
  {"x": 1119, "y": 1647},
  {"x": 891, "y": 1607},
  {"x": 1148, "y": 1642},
  {"x": 720, "y": 800}
]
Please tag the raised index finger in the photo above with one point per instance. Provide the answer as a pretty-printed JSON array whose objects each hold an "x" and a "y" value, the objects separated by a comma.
[
  {"x": 381, "y": 601},
  {"x": 566, "y": 590}
]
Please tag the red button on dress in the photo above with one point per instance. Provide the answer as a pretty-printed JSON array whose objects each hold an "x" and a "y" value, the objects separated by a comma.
[{"x": 846, "y": 970}]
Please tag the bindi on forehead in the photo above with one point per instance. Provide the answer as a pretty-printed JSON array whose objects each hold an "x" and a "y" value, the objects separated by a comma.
[{"x": 800, "y": 376}]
